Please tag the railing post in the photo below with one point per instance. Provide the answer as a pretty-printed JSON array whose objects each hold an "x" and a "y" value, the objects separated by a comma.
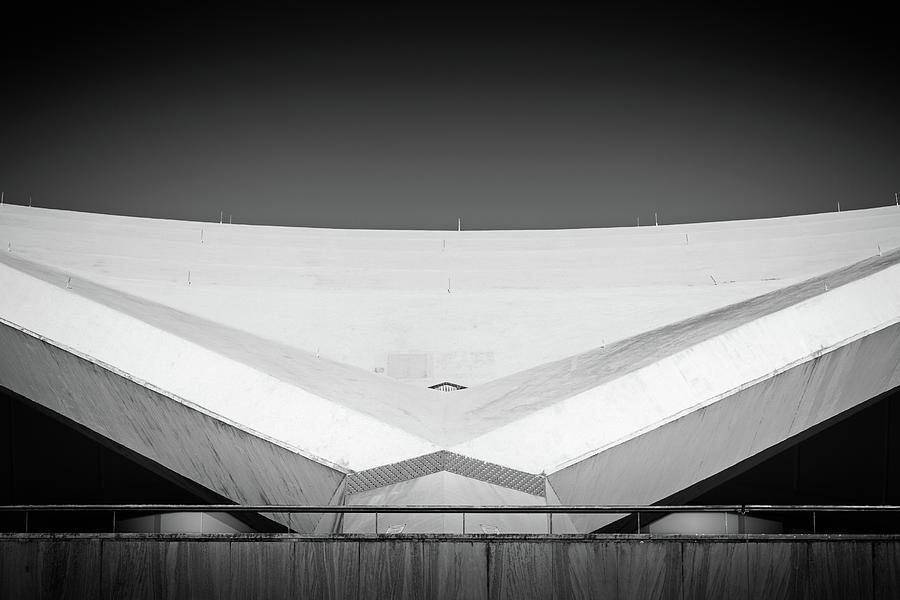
[
  {"x": 550, "y": 528},
  {"x": 114, "y": 521},
  {"x": 639, "y": 521},
  {"x": 464, "y": 523},
  {"x": 376, "y": 522},
  {"x": 26, "y": 521},
  {"x": 814, "y": 521}
]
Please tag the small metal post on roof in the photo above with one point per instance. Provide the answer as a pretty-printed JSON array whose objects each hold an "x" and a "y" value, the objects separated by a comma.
[
  {"x": 896, "y": 200},
  {"x": 229, "y": 219},
  {"x": 879, "y": 249},
  {"x": 459, "y": 223},
  {"x": 448, "y": 285},
  {"x": 839, "y": 206},
  {"x": 686, "y": 241},
  {"x": 221, "y": 214},
  {"x": 69, "y": 283},
  {"x": 714, "y": 280},
  {"x": 189, "y": 277},
  {"x": 201, "y": 236},
  {"x": 1, "y": 198},
  {"x": 656, "y": 219},
  {"x": 638, "y": 221},
  {"x": 29, "y": 201}
]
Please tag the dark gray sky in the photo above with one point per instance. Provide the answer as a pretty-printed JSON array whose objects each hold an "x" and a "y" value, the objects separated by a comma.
[{"x": 534, "y": 120}]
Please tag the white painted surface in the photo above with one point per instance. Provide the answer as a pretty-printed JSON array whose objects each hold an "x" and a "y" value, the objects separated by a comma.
[
  {"x": 225, "y": 460},
  {"x": 194, "y": 374},
  {"x": 520, "y": 298},
  {"x": 660, "y": 463},
  {"x": 649, "y": 397},
  {"x": 241, "y": 341}
]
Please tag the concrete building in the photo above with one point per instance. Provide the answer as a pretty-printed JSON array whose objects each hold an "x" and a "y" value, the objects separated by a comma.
[{"x": 154, "y": 361}]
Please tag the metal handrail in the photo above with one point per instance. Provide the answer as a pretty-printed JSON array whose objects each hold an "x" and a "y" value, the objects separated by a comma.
[
  {"x": 452, "y": 508},
  {"x": 468, "y": 509}
]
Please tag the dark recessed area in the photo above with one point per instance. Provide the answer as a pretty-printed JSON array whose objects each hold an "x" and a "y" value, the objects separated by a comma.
[{"x": 48, "y": 459}]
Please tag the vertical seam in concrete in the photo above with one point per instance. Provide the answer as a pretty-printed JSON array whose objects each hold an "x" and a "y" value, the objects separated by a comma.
[
  {"x": 487, "y": 558},
  {"x": 872, "y": 563},
  {"x": 616, "y": 555},
  {"x": 101, "y": 567},
  {"x": 747, "y": 562}
]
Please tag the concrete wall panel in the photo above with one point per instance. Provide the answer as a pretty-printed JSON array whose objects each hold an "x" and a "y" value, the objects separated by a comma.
[
  {"x": 217, "y": 456},
  {"x": 601, "y": 568},
  {"x": 702, "y": 443}
]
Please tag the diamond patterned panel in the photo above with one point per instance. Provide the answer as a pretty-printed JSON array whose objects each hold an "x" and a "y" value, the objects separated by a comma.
[{"x": 444, "y": 460}]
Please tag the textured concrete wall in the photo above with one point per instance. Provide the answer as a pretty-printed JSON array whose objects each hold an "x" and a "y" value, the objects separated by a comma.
[
  {"x": 670, "y": 458},
  {"x": 421, "y": 567}
]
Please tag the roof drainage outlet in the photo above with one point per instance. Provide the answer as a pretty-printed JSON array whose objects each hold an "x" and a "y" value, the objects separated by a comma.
[{"x": 446, "y": 386}]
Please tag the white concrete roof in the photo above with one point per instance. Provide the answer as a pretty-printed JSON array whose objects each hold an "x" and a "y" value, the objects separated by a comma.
[{"x": 571, "y": 341}]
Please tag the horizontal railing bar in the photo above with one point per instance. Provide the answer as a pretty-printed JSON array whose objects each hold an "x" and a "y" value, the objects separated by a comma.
[{"x": 448, "y": 508}]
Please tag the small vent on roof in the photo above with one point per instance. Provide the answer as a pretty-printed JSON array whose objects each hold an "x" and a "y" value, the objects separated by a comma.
[{"x": 446, "y": 386}]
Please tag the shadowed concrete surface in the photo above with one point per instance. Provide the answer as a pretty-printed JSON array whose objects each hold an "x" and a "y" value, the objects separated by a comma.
[
  {"x": 218, "y": 456},
  {"x": 431, "y": 566}
]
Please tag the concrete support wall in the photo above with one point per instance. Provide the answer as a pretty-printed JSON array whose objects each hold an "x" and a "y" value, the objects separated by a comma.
[
  {"x": 679, "y": 454},
  {"x": 750, "y": 567},
  {"x": 216, "y": 455}
]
